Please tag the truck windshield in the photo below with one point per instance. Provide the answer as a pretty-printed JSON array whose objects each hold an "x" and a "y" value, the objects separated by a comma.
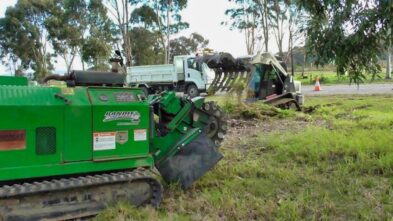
[{"x": 191, "y": 63}]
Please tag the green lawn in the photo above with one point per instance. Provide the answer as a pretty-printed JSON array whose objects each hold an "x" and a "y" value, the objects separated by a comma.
[
  {"x": 330, "y": 77},
  {"x": 333, "y": 163}
]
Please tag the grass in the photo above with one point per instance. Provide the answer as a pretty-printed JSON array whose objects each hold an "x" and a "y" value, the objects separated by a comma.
[
  {"x": 330, "y": 77},
  {"x": 339, "y": 166}
]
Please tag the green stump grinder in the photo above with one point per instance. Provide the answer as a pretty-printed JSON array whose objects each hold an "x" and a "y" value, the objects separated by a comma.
[{"x": 69, "y": 152}]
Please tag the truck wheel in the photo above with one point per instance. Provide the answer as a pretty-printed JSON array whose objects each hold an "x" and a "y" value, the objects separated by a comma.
[
  {"x": 192, "y": 91},
  {"x": 145, "y": 90}
]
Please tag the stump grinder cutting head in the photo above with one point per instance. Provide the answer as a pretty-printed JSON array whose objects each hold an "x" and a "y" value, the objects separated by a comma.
[{"x": 189, "y": 133}]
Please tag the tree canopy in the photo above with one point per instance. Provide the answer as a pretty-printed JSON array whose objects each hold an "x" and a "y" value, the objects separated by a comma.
[
  {"x": 187, "y": 45},
  {"x": 353, "y": 35},
  {"x": 23, "y": 37},
  {"x": 36, "y": 33},
  {"x": 349, "y": 34}
]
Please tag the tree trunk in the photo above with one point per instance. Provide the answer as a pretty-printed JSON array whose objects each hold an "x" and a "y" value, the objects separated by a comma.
[
  {"x": 389, "y": 56},
  {"x": 292, "y": 61},
  {"x": 122, "y": 17},
  {"x": 266, "y": 25},
  {"x": 168, "y": 21},
  {"x": 83, "y": 64},
  {"x": 304, "y": 61},
  {"x": 127, "y": 30},
  {"x": 389, "y": 63},
  {"x": 262, "y": 6}
]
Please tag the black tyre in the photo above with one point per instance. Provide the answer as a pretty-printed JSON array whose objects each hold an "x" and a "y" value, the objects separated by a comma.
[
  {"x": 192, "y": 90},
  {"x": 290, "y": 105}
]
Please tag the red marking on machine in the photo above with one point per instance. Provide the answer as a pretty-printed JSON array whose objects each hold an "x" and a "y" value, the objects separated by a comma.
[
  {"x": 271, "y": 96},
  {"x": 12, "y": 139}
]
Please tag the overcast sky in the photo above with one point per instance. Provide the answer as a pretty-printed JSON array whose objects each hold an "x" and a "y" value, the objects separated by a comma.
[{"x": 204, "y": 17}]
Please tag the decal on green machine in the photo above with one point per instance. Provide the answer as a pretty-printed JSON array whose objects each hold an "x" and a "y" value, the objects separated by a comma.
[
  {"x": 124, "y": 97},
  {"x": 131, "y": 117},
  {"x": 104, "y": 141},
  {"x": 12, "y": 140},
  {"x": 140, "y": 135}
]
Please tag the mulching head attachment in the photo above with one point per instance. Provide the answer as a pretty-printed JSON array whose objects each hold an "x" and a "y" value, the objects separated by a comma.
[
  {"x": 227, "y": 69},
  {"x": 191, "y": 162}
]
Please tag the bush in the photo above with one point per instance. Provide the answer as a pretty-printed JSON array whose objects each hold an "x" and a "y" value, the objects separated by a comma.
[{"x": 257, "y": 110}]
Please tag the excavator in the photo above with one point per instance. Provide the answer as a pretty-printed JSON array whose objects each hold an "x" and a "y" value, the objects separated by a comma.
[{"x": 264, "y": 74}]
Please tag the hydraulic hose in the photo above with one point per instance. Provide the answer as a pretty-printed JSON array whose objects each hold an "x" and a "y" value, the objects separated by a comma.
[{"x": 56, "y": 77}]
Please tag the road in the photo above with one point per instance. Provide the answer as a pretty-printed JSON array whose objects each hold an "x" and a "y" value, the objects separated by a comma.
[{"x": 349, "y": 89}]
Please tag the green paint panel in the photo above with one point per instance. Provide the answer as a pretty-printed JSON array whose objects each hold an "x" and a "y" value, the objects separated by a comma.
[
  {"x": 78, "y": 126},
  {"x": 13, "y": 81},
  {"x": 26, "y": 109},
  {"x": 118, "y": 114}
]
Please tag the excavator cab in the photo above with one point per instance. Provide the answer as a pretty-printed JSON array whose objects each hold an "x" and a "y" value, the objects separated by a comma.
[
  {"x": 265, "y": 81},
  {"x": 271, "y": 83}
]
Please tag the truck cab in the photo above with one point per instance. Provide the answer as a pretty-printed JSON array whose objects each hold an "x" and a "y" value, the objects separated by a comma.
[
  {"x": 184, "y": 75},
  {"x": 192, "y": 72}
]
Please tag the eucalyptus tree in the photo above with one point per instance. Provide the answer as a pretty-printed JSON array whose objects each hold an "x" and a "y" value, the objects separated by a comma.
[
  {"x": 259, "y": 19},
  {"x": 23, "y": 36},
  {"x": 278, "y": 17},
  {"x": 187, "y": 45},
  {"x": 120, "y": 11},
  {"x": 80, "y": 28},
  {"x": 97, "y": 46},
  {"x": 246, "y": 18},
  {"x": 389, "y": 52},
  {"x": 146, "y": 45},
  {"x": 163, "y": 17},
  {"x": 263, "y": 6},
  {"x": 67, "y": 25},
  {"x": 297, "y": 20},
  {"x": 348, "y": 34}
]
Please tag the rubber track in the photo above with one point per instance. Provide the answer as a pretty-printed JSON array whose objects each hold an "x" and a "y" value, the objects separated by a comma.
[{"x": 58, "y": 185}]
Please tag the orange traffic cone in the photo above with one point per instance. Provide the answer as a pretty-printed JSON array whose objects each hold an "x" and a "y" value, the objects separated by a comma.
[{"x": 317, "y": 86}]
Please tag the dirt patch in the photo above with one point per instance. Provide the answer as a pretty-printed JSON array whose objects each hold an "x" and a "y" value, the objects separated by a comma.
[
  {"x": 241, "y": 129},
  {"x": 312, "y": 109}
]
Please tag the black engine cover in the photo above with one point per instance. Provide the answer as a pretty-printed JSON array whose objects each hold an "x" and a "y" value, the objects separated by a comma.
[{"x": 96, "y": 78}]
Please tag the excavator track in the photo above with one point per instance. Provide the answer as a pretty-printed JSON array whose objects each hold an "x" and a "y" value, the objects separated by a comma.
[{"x": 77, "y": 197}]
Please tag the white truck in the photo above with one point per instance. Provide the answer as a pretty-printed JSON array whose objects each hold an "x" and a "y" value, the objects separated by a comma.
[{"x": 184, "y": 75}]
